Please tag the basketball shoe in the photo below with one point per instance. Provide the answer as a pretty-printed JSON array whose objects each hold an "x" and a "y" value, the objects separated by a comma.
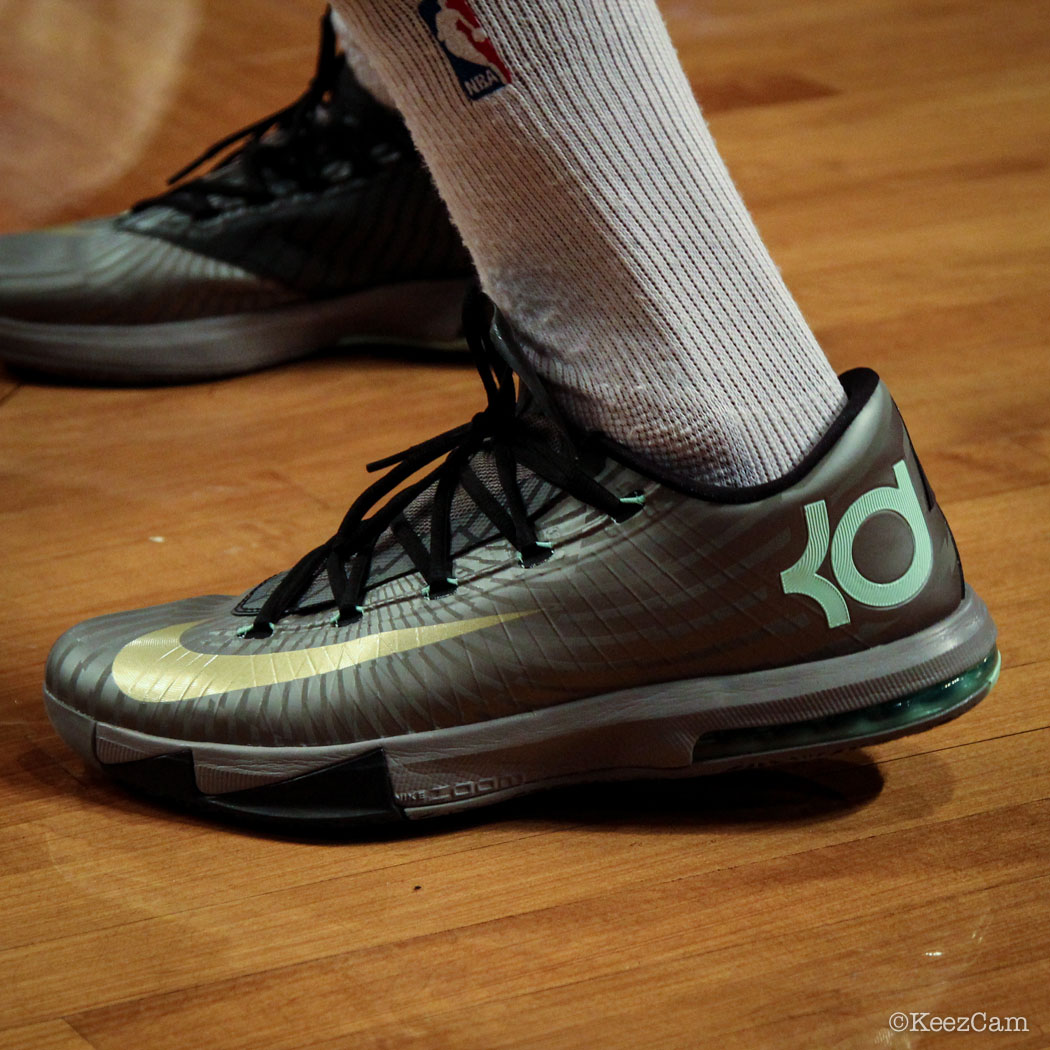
[
  {"x": 323, "y": 227},
  {"x": 543, "y": 607}
]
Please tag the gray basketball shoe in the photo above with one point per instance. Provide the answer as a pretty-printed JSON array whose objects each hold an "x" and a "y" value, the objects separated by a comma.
[
  {"x": 322, "y": 228},
  {"x": 544, "y": 607}
]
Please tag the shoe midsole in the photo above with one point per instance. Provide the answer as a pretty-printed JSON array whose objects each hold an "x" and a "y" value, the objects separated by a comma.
[
  {"x": 651, "y": 728},
  {"x": 421, "y": 313}
]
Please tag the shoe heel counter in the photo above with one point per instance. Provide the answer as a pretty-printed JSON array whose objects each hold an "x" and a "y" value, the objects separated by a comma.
[
  {"x": 880, "y": 557},
  {"x": 903, "y": 559},
  {"x": 946, "y": 584},
  {"x": 940, "y": 530}
]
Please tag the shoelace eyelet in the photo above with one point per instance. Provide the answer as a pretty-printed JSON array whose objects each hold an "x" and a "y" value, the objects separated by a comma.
[
  {"x": 440, "y": 589},
  {"x": 535, "y": 554},
  {"x": 347, "y": 618},
  {"x": 254, "y": 630},
  {"x": 632, "y": 504}
]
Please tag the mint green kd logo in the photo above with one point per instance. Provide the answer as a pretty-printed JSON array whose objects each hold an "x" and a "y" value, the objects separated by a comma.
[{"x": 803, "y": 577}]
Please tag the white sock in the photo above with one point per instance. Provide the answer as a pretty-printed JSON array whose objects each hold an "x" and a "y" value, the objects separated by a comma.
[{"x": 567, "y": 144}]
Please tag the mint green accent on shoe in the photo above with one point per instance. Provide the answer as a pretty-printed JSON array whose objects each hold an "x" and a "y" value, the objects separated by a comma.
[
  {"x": 870, "y": 725},
  {"x": 901, "y": 499},
  {"x": 543, "y": 546},
  {"x": 243, "y": 632},
  {"x": 803, "y": 578}
]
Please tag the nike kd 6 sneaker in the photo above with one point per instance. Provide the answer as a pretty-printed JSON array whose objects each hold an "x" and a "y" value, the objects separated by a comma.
[
  {"x": 323, "y": 227},
  {"x": 544, "y": 607}
]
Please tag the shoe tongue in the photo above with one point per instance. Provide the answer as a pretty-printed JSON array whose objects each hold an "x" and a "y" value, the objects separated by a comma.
[
  {"x": 350, "y": 109},
  {"x": 349, "y": 94},
  {"x": 492, "y": 341}
]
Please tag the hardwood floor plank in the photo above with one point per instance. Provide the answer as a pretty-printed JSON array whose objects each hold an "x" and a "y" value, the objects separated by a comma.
[
  {"x": 647, "y": 945},
  {"x": 374, "y": 908},
  {"x": 48, "y": 1035}
]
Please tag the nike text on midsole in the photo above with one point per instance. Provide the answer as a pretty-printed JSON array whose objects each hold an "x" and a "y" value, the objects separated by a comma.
[{"x": 653, "y": 727}]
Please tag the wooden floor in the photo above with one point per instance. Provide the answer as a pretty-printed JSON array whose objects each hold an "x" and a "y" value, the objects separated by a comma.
[{"x": 895, "y": 155}]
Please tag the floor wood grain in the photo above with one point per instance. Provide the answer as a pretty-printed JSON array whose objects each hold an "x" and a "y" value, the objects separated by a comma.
[{"x": 895, "y": 156}]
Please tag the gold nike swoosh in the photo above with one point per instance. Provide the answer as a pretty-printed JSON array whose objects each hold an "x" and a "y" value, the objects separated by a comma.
[{"x": 157, "y": 668}]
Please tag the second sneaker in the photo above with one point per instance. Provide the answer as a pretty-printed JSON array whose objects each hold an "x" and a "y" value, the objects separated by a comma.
[{"x": 323, "y": 227}]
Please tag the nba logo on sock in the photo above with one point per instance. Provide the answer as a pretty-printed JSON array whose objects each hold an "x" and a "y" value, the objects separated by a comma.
[{"x": 473, "y": 56}]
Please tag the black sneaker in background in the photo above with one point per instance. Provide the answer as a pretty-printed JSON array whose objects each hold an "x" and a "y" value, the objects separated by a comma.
[{"x": 322, "y": 228}]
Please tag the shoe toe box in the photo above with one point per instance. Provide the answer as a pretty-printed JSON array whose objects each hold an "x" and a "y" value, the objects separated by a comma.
[
  {"x": 98, "y": 272},
  {"x": 80, "y": 676},
  {"x": 44, "y": 267}
]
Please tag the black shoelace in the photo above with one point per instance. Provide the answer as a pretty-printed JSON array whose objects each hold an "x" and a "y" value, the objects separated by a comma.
[
  {"x": 308, "y": 145},
  {"x": 505, "y": 430}
]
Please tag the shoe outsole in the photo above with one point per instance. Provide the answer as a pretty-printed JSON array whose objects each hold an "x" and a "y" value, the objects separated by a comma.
[
  {"x": 360, "y": 792},
  {"x": 379, "y": 783},
  {"x": 416, "y": 316}
]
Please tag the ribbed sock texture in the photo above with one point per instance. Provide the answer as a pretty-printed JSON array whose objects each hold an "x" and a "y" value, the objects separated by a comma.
[{"x": 604, "y": 223}]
